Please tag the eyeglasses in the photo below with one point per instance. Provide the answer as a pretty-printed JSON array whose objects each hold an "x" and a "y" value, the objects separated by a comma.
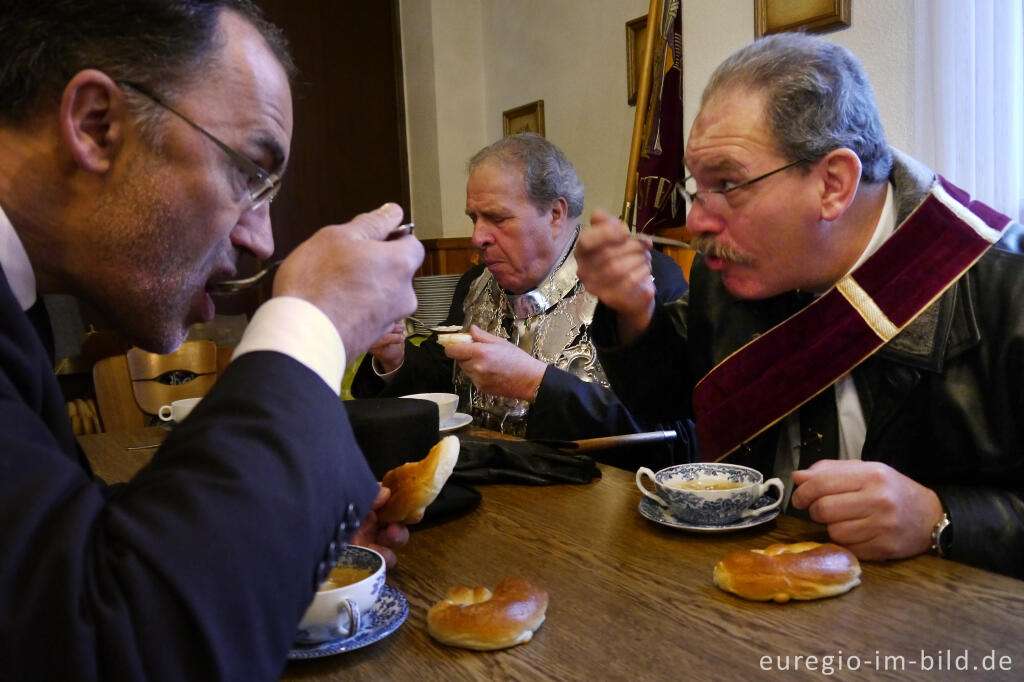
[
  {"x": 262, "y": 186},
  {"x": 703, "y": 196}
]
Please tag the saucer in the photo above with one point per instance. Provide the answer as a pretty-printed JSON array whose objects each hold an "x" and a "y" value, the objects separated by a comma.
[
  {"x": 655, "y": 512},
  {"x": 387, "y": 614},
  {"x": 456, "y": 421}
]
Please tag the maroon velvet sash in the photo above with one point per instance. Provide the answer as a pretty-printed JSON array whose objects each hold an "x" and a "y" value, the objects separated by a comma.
[{"x": 780, "y": 370}]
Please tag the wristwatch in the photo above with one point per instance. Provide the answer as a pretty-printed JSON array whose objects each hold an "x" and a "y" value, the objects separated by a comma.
[{"x": 942, "y": 537}]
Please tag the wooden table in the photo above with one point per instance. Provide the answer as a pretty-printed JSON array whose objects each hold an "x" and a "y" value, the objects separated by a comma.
[{"x": 630, "y": 599}]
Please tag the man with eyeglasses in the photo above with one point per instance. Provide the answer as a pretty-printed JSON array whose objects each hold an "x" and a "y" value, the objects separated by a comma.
[
  {"x": 855, "y": 323},
  {"x": 140, "y": 145}
]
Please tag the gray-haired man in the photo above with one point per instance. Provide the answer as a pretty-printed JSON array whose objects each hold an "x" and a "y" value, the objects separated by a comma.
[{"x": 532, "y": 369}]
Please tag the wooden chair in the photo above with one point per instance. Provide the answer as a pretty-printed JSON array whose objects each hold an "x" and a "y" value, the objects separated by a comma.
[
  {"x": 85, "y": 416},
  {"x": 127, "y": 388}
]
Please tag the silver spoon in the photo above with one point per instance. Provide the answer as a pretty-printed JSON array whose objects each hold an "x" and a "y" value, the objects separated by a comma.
[
  {"x": 435, "y": 327},
  {"x": 661, "y": 240},
  {"x": 234, "y": 286}
]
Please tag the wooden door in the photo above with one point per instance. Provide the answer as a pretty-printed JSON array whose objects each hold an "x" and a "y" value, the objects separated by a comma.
[{"x": 348, "y": 150}]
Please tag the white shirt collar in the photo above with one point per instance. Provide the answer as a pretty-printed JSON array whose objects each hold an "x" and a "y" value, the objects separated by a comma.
[
  {"x": 885, "y": 227},
  {"x": 15, "y": 264}
]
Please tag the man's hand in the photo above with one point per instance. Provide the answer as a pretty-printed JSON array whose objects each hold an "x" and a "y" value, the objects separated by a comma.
[
  {"x": 617, "y": 269},
  {"x": 360, "y": 281},
  {"x": 869, "y": 507},
  {"x": 498, "y": 367},
  {"x": 389, "y": 350},
  {"x": 384, "y": 539}
]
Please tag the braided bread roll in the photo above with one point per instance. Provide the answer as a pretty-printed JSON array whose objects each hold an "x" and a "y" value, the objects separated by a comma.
[
  {"x": 779, "y": 572},
  {"x": 476, "y": 618}
]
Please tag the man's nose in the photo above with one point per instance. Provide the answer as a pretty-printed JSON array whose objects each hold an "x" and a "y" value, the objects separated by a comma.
[
  {"x": 253, "y": 232},
  {"x": 482, "y": 235},
  {"x": 701, "y": 221}
]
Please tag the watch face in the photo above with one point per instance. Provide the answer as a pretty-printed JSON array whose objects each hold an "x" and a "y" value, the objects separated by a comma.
[{"x": 946, "y": 539}]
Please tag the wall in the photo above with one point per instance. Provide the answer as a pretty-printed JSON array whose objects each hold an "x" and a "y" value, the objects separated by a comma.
[
  {"x": 348, "y": 149},
  {"x": 443, "y": 52},
  {"x": 492, "y": 55},
  {"x": 881, "y": 36},
  {"x": 571, "y": 54}
]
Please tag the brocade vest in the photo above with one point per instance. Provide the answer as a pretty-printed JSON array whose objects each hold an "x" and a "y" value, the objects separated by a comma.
[{"x": 551, "y": 323}]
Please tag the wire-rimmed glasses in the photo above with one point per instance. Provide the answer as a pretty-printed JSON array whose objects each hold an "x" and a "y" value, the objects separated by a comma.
[
  {"x": 703, "y": 196},
  {"x": 262, "y": 186}
]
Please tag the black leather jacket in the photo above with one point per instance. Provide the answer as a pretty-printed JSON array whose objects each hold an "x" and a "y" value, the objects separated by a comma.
[{"x": 943, "y": 401}]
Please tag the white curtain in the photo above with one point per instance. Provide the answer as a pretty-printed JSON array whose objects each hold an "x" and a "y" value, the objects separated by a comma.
[{"x": 969, "y": 90}]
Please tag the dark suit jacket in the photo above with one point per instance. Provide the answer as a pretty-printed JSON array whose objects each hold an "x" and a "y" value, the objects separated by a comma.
[
  {"x": 567, "y": 408},
  {"x": 200, "y": 568}
]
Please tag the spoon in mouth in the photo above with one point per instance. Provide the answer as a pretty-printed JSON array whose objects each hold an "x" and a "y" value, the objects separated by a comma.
[
  {"x": 661, "y": 240},
  {"x": 234, "y": 286}
]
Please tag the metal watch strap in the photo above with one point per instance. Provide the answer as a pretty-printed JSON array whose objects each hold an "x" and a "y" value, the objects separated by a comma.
[{"x": 941, "y": 536}]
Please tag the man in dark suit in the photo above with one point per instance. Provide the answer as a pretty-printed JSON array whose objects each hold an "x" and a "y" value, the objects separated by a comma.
[{"x": 141, "y": 143}]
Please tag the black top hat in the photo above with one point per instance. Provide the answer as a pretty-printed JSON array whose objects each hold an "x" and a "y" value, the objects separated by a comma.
[{"x": 393, "y": 431}]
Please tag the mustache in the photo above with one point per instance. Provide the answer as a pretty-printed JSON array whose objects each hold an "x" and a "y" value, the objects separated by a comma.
[{"x": 705, "y": 244}]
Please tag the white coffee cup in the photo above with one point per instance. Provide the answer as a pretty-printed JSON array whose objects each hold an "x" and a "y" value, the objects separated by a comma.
[
  {"x": 338, "y": 612},
  {"x": 709, "y": 493},
  {"x": 446, "y": 403},
  {"x": 177, "y": 410}
]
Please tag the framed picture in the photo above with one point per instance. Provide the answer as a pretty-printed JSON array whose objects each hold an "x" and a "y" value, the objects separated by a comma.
[
  {"x": 527, "y": 118},
  {"x": 636, "y": 36},
  {"x": 813, "y": 16}
]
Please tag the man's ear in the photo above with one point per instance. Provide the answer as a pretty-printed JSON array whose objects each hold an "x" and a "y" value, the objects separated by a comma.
[
  {"x": 559, "y": 215},
  {"x": 92, "y": 119},
  {"x": 841, "y": 178}
]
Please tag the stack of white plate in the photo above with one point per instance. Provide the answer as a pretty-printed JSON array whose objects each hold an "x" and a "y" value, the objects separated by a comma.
[{"x": 434, "y": 297}]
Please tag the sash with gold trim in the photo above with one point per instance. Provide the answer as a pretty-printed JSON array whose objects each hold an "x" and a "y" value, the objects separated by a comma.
[{"x": 780, "y": 370}]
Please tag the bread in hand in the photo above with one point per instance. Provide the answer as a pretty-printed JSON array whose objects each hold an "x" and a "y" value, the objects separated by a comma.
[
  {"x": 452, "y": 339},
  {"x": 414, "y": 485}
]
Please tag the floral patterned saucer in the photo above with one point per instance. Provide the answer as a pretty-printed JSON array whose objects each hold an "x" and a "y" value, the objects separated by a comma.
[
  {"x": 655, "y": 512},
  {"x": 387, "y": 614}
]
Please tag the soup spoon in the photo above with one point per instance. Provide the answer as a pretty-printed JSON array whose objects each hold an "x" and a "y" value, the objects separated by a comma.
[{"x": 234, "y": 286}]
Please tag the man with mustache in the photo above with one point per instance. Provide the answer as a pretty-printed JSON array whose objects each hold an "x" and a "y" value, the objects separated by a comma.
[
  {"x": 855, "y": 324},
  {"x": 531, "y": 368}
]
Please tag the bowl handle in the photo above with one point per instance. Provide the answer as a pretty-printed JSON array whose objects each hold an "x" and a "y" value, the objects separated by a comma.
[
  {"x": 347, "y": 624},
  {"x": 640, "y": 473}
]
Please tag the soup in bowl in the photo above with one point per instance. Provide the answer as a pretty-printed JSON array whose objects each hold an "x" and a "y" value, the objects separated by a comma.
[{"x": 348, "y": 593}]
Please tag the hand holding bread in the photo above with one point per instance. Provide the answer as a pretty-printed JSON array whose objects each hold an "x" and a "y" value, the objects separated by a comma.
[
  {"x": 497, "y": 366},
  {"x": 414, "y": 485}
]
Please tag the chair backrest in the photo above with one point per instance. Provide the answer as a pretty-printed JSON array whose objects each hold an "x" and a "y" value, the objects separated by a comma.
[{"x": 129, "y": 389}]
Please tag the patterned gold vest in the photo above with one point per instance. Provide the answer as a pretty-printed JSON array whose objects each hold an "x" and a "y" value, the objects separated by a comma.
[{"x": 551, "y": 323}]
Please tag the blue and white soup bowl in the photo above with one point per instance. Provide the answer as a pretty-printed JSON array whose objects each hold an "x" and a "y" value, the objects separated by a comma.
[
  {"x": 709, "y": 494},
  {"x": 337, "y": 612}
]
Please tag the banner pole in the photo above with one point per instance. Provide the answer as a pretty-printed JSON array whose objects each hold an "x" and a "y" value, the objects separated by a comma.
[{"x": 642, "y": 96}]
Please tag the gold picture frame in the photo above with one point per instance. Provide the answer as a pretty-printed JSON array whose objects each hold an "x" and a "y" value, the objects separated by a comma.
[
  {"x": 813, "y": 16},
  {"x": 526, "y": 118},
  {"x": 636, "y": 37}
]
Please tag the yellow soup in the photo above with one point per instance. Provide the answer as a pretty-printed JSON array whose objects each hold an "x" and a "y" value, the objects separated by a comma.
[
  {"x": 342, "y": 576},
  {"x": 706, "y": 484}
]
